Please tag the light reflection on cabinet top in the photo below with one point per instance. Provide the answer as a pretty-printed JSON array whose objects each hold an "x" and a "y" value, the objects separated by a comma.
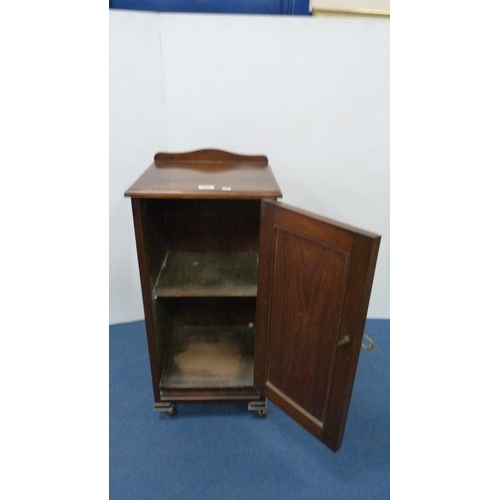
[{"x": 206, "y": 173}]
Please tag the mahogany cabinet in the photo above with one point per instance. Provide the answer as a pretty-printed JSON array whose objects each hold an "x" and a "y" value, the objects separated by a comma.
[{"x": 246, "y": 298}]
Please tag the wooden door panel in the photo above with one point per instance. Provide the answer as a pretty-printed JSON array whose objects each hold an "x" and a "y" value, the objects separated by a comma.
[
  {"x": 314, "y": 284},
  {"x": 314, "y": 295}
]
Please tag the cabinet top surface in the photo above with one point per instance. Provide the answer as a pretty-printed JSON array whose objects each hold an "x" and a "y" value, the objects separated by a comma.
[{"x": 206, "y": 174}]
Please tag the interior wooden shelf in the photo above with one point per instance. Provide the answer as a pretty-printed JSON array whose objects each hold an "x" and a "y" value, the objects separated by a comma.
[
  {"x": 211, "y": 274},
  {"x": 209, "y": 357}
]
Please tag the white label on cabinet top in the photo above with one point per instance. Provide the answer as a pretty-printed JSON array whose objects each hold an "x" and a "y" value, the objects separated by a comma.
[
  {"x": 206, "y": 186},
  {"x": 226, "y": 188}
]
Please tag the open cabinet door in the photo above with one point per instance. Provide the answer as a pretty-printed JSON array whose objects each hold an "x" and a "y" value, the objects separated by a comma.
[{"x": 315, "y": 279}]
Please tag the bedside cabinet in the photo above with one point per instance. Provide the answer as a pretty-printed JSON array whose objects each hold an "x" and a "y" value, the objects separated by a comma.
[{"x": 246, "y": 298}]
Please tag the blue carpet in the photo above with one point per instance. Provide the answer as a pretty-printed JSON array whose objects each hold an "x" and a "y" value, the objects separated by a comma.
[{"x": 224, "y": 452}]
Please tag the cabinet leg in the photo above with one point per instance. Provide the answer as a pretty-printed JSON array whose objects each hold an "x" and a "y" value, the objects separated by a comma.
[{"x": 259, "y": 406}]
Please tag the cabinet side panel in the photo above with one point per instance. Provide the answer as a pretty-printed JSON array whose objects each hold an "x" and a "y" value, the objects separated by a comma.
[
  {"x": 154, "y": 237},
  {"x": 147, "y": 217}
]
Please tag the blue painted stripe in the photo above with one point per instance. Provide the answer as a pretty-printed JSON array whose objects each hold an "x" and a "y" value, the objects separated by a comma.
[{"x": 273, "y": 7}]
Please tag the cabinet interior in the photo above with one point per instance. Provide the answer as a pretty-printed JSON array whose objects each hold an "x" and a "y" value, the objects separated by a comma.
[{"x": 202, "y": 260}]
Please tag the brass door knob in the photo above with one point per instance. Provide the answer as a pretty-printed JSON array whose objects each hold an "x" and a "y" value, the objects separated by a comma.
[{"x": 344, "y": 340}]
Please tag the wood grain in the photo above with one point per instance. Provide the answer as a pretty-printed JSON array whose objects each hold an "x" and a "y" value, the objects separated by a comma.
[
  {"x": 314, "y": 290},
  {"x": 206, "y": 174},
  {"x": 207, "y": 156}
]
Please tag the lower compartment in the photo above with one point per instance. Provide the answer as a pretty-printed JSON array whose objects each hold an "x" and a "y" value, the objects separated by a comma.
[{"x": 208, "y": 357}]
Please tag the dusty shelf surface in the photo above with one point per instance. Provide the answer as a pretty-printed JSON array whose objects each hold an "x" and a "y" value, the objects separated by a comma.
[
  {"x": 209, "y": 357},
  {"x": 191, "y": 274}
]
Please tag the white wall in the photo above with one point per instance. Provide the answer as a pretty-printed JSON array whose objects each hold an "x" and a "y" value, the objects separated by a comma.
[
  {"x": 310, "y": 93},
  {"x": 137, "y": 129}
]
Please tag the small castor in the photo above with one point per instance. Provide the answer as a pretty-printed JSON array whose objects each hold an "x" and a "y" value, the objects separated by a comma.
[
  {"x": 259, "y": 406},
  {"x": 171, "y": 410}
]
